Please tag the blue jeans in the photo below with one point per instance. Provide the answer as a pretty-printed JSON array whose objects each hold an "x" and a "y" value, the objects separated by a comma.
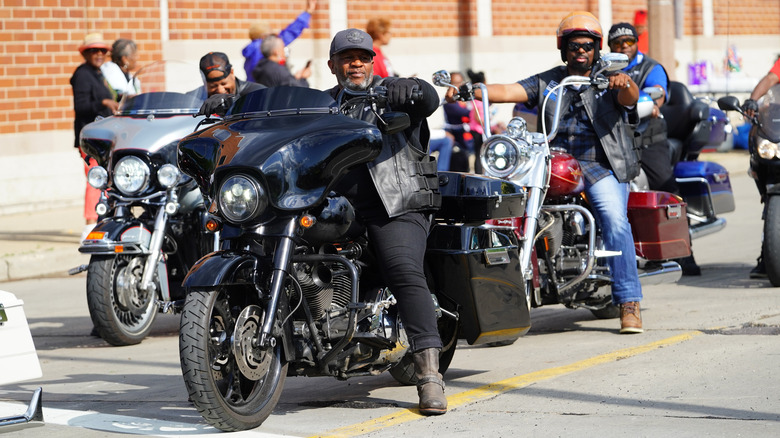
[
  {"x": 609, "y": 199},
  {"x": 444, "y": 146}
]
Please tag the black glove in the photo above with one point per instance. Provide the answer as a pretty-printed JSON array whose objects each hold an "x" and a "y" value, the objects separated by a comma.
[
  {"x": 217, "y": 104},
  {"x": 401, "y": 91},
  {"x": 750, "y": 105}
]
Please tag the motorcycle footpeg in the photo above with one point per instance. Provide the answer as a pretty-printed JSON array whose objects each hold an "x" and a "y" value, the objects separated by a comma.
[{"x": 78, "y": 269}]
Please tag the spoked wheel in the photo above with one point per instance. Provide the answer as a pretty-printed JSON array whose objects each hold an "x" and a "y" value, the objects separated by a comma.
[
  {"x": 233, "y": 384},
  {"x": 771, "y": 243},
  {"x": 121, "y": 312}
]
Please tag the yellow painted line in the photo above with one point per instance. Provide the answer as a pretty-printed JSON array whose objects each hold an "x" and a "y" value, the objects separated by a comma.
[{"x": 491, "y": 390}]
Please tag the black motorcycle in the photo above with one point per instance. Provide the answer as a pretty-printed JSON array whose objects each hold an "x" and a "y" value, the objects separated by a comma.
[
  {"x": 763, "y": 141},
  {"x": 294, "y": 290},
  {"x": 151, "y": 228}
]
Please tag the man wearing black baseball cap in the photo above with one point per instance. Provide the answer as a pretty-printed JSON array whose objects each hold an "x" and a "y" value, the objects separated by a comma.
[
  {"x": 394, "y": 196},
  {"x": 222, "y": 86}
]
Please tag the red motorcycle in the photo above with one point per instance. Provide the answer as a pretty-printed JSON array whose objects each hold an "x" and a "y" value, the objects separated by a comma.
[{"x": 561, "y": 244}]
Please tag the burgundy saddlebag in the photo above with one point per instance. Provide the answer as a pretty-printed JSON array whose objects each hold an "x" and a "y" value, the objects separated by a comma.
[{"x": 659, "y": 224}]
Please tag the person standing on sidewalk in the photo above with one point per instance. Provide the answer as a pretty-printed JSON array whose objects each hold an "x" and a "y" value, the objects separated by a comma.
[
  {"x": 92, "y": 97},
  {"x": 259, "y": 31}
]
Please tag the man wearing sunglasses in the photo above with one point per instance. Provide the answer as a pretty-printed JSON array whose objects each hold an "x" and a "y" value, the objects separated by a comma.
[
  {"x": 647, "y": 72},
  {"x": 594, "y": 128}
]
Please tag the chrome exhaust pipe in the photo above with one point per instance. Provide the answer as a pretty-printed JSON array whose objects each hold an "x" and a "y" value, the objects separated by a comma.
[
  {"x": 707, "y": 228},
  {"x": 665, "y": 272},
  {"x": 34, "y": 412}
]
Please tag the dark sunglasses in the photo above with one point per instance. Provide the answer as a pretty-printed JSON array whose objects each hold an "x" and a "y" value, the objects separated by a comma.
[
  {"x": 619, "y": 43},
  {"x": 575, "y": 47},
  {"x": 93, "y": 50}
]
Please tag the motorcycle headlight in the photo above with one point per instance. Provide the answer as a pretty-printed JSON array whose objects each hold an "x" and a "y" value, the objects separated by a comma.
[
  {"x": 766, "y": 149},
  {"x": 517, "y": 127},
  {"x": 97, "y": 177},
  {"x": 168, "y": 175},
  {"x": 500, "y": 156},
  {"x": 131, "y": 175},
  {"x": 241, "y": 198}
]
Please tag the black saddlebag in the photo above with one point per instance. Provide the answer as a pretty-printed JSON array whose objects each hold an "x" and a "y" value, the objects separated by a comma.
[
  {"x": 469, "y": 198},
  {"x": 476, "y": 270}
]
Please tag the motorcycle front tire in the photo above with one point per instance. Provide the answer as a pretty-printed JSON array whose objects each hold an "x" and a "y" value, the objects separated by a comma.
[
  {"x": 225, "y": 397},
  {"x": 772, "y": 240},
  {"x": 117, "y": 323}
]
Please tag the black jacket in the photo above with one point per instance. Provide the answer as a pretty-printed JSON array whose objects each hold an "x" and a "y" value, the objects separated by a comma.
[
  {"x": 404, "y": 174},
  {"x": 272, "y": 74},
  {"x": 89, "y": 90}
]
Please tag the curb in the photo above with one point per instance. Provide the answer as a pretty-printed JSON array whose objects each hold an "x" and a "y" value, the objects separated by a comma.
[{"x": 51, "y": 262}]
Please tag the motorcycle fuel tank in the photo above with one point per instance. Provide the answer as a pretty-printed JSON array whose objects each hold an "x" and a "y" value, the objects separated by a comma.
[{"x": 566, "y": 175}]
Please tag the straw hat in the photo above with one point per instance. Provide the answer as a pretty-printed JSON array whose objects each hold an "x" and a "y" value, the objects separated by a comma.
[{"x": 93, "y": 41}]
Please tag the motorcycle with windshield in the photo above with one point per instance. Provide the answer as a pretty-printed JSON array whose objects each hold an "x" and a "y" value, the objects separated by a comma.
[
  {"x": 562, "y": 254},
  {"x": 294, "y": 290},
  {"x": 763, "y": 141},
  {"x": 150, "y": 229}
]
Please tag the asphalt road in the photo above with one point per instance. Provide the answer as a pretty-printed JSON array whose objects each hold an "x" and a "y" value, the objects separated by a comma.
[{"x": 707, "y": 365}]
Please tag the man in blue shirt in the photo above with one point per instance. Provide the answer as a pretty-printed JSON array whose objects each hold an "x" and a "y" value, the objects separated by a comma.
[
  {"x": 656, "y": 156},
  {"x": 258, "y": 31}
]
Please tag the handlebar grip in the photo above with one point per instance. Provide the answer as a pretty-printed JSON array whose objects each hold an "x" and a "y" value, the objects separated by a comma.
[{"x": 417, "y": 94}]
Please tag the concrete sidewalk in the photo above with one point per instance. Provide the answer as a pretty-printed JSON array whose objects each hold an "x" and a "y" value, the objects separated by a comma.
[
  {"x": 40, "y": 243},
  {"x": 45, "y": 243}
]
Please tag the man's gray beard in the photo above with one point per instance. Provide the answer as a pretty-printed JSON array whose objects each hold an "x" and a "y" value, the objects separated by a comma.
[{"x": 346, "y": 83}]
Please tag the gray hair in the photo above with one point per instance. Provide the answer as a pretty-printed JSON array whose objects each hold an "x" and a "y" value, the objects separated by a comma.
[
  {"x": 270, "y": 44},
  {"x": 122, "y": 47}
]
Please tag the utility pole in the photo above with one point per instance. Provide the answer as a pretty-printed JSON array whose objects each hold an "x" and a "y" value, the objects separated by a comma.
[{"x": 661, "y": 33}]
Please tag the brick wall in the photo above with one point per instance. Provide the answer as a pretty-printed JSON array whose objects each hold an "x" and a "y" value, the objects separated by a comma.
[{"x": 39, "y": 38}]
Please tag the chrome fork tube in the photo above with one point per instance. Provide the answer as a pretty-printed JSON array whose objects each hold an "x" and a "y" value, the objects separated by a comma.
[
  {"x": 155, "y": 246},
  {"x": 282, "y": 258},
  {"x": 533, "y": 205}
]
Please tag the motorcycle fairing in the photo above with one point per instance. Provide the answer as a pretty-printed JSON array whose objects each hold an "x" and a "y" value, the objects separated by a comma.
[
  {"x": 128, "y": 233},
  {"x": 298, "y": 157},
  {"x": 102, "y": 138}
]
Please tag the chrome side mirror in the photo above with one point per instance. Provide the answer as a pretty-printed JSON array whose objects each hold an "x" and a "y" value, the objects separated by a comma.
[{"x": 442, "y": 78}]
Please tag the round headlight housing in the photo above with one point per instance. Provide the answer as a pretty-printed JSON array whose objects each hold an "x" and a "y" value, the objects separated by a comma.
[
  {"x": 131, "y": 175},
  {"x": 241, "y": 198},
  {"x": 766, "y": 149},
  {"x": 500, "y": 156},
  {"x": 97, "y": 177},
  {"x": 168, "y": 175}
]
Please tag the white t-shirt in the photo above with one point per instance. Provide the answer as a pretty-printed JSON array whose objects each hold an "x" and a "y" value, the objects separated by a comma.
[{"x": 116, "y": 78}]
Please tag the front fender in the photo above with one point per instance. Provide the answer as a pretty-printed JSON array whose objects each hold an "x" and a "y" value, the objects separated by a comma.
[
  {"x": 128, "y": 233},
  {"x": 220, "y": 268}
]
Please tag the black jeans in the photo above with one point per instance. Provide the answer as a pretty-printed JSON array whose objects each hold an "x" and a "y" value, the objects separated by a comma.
[{"x": 399, "y": 245}]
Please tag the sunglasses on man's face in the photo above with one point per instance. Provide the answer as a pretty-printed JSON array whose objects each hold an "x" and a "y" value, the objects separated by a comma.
[
  {"x": 575, "y": 47},
  {"x": 91, "y": 51},
  {"x": 619, "y": 43}
]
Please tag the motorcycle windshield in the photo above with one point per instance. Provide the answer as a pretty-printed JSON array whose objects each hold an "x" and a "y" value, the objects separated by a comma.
[
  {"x": 769, "y": 114},
  {"x": 164, "y": 88},
  {"x": 280, "y": 100},
  {"x": 290, "y": 138}
]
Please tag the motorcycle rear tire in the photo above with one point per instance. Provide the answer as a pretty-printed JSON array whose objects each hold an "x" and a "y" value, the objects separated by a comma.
[
  {"x": 226, "y": 398},
  {"x": 772, "y": 240},
  {"x": 115, "y": 323}
]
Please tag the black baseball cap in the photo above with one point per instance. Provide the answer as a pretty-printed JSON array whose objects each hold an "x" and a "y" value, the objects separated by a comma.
[
  {"x": 215, "y": 61},
  {"x": 352, "y": 39},
  {"x": 620, "y": 30}
]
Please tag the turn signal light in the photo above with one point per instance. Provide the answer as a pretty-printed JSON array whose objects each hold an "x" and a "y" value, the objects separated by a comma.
[
  {"x": 307, "y": 221},
  {"x": 95, "y": 235},
  {"x": 213, "y": 225}
]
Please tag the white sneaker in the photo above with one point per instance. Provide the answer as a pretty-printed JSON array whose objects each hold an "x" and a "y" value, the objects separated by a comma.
[{"x": 87, "y": 229}]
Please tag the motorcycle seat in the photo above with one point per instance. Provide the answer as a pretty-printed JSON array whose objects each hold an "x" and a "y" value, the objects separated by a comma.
[{"x": 686, "y": 118}]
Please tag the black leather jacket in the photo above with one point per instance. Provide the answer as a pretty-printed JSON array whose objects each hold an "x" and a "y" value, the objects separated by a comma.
[
  {"x": 610, "y": 120},
  {"x": 404, "y": 174}
]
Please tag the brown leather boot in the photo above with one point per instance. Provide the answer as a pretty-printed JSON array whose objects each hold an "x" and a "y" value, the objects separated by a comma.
[
  {"x": 430, "y": 386},
  {"x": 630, "y": 318}
]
